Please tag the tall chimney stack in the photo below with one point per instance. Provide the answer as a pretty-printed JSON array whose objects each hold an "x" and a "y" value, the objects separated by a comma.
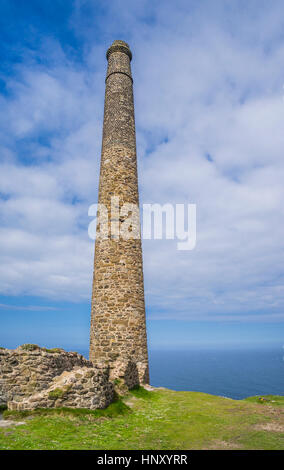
[{"x": 118, "y": 326}]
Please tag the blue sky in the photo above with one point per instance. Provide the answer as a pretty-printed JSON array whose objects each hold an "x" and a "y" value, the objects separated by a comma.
[{"x": 209, "y": 102}]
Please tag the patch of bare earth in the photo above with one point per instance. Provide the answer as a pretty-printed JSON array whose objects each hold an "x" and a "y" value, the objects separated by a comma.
[
  {"x": 131, "y": 401},
  {"x": 153, "y": 389},
  {"x": 218, "y": 444},
  {"x": 271, "y": 411},
  {"x": 272, "y": 426},
  {"x": 8, "y": 423}
]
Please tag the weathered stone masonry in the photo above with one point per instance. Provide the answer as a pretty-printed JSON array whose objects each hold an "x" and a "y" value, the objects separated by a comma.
[
  {"x": 33, "y": 377},
  {"x": 83, "y": 387},
  {"x": 118, "y": 327},
  {"x": 25, "y": 371}
]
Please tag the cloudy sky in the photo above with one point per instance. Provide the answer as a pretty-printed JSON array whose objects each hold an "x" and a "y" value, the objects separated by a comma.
[{"x": 209, "y": 104}]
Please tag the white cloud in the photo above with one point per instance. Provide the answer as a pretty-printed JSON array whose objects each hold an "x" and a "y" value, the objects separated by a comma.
[
  {"x": 206, "y": 83},
  {"x": 31, "y": 308}
]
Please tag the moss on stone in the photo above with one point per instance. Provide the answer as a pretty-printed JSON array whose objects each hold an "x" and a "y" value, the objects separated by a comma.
[
  {"x": 34, "y": 347},
  {"x": 116, "y": 382},
  {"x": 89, "y": 374},
  {"x": 58, "y": 392},
  {"x": 30, "y": 347},
  {"x": 52, "y": 350}
]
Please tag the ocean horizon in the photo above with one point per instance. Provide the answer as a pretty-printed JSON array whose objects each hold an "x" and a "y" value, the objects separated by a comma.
[{"x": 233, "y": 374}]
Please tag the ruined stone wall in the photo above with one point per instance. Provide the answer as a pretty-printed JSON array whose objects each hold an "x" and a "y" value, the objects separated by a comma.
[
  {"x": 33, "y": 377},
  {"x": 28, "y": 369},
  {"x": 80, "y": 388},
  {"x": 118, "y": 327}
]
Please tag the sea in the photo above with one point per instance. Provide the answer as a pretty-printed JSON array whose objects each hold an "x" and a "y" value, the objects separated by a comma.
[{"x": 234, "y": 374}]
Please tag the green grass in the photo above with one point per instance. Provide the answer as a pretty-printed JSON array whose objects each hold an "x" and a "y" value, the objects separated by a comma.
[
  {"x": 274, "y": 400},
  {"x": 147, "y": 420},
  {"x": 140, "y": 392}
]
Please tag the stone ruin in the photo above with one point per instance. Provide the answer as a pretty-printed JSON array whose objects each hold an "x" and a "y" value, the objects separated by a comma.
[{"x": 33, "y": 377}]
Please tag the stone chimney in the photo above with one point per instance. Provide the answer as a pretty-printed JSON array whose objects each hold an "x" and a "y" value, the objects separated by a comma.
[{"x": 118, "y": 326}]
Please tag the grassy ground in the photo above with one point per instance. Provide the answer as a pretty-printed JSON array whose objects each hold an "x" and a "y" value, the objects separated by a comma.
[{"x": 161, "y": 419}]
